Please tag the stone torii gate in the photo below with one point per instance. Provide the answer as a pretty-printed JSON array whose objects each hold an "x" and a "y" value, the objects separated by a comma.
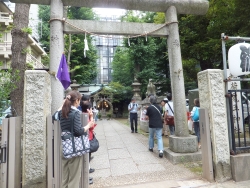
[{"x": 181, "y": 142}]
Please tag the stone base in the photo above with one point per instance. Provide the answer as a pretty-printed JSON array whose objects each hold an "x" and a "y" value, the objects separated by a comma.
[
  {"x": 177, "y": 158},
  {"x": 144, "y": 126},
  {"x": 183, "y": 144},
  {"x": 240, "y": 167}
]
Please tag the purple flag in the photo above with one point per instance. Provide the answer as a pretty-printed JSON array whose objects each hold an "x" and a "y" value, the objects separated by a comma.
[{"x": 63, "y": 73}]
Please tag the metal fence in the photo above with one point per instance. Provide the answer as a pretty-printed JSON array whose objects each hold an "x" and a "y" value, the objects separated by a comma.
[
  {"x": 54, "y": 167},
  {"x": 10, "y": 172},
  {"x": 240, "y": 119}
]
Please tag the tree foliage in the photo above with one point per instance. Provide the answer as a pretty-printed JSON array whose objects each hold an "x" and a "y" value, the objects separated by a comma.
[
  {"x": 8, "y": 79},
  {"x": 82, "y": 69},
  {"x": 200, "y": 38},
  {"x": 143, "y": 58}
]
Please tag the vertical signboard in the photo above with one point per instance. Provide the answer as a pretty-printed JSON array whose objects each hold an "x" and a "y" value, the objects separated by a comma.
[
  {"x": 236, "y": 102},
  {"x": 207, "y": 162}
]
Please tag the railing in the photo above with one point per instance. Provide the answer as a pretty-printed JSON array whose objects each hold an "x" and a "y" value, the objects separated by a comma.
[
  {"x": 32, "y": 60},
  {"x": 5, "y": 16},
  {"x": 240, "y": 120},
  {"x": 5, "y": 46}
]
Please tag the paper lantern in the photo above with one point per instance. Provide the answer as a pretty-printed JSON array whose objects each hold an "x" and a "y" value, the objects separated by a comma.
[{"x": 238, "y": 59}]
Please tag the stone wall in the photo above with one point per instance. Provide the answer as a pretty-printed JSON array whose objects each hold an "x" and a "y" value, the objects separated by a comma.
[
  {"x": 212, "y": 98},
  {"x": 37, "y": 105}
]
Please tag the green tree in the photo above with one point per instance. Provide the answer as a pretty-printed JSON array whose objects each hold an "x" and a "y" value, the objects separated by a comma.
[
  {"x": 8, "y": 79},
  {"x": 144, "y": 58},
  {"x": 82, "y": 69},
  {"x": 44, "y": 14},
  {"x": 18, "y": 59}
]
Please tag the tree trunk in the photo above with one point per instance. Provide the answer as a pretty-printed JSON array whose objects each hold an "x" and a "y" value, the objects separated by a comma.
[{"x": 19, "y": 50}]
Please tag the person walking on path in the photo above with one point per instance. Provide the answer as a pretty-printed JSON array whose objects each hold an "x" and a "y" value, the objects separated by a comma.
[
  {"x": 195, "y": 118},
  {"x": 95, "y": 111},
  {"x": 169, "y": 110},
  {"x": 165, "y": 126},
  {"x": 133, "y": 107},
  {"x": 154, "y": 115}
]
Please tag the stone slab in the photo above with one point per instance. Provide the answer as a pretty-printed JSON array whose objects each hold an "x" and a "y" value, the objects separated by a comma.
[
  {"x": 212, "y": 98},
  {"x": 118, "y": 153},
  {"x": 150, "y": 168},
  {"x": 199, "y": 7},
  {"x": 37, "y": 106},
  {"x": 136, "y": 147},
  {"x": 123, "y": 166},
  {"x": 183, "y": 144},
  {"x": 240, "y": 167},
  {"x": 100, "y": 162},
  {"x": 104, "y": 173},
  {"x": 144, "y": 158},
  {"x": 144, "y": 126},
  {"x": 115, "y": 145},
  {"x": 177, "y": 158}
]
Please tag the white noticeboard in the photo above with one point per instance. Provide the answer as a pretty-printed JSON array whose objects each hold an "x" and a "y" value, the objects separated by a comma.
[
  {"x": 235, "y": 85},
  {"x": 238, "y": 59},
  {"x": 143, "y": 115}
]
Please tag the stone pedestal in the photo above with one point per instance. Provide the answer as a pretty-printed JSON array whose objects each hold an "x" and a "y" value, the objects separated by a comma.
[
  {"x": 239, "y": 164},
  {"x": 37, "y": 105},
  {"x": 144, "y": 126},
  {"x": 177, "y": 158},
  {"x": 212, "y": 98},
  {"x": 183, "y": 144}
]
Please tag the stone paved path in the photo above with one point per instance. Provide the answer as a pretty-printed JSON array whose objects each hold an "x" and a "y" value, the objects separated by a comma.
[{"x": 123, "y": 159}]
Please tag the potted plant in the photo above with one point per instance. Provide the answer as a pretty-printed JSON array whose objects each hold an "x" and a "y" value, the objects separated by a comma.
[
  {"x": 109, "y": 116},
  {"x": 99, "y": 116}
]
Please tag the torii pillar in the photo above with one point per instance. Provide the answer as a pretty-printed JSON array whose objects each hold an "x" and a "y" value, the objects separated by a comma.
[
  {"x": 56, "y": 50},
  {"x": 181, "y": 142}
]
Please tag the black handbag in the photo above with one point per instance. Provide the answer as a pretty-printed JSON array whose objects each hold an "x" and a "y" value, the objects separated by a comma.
[{"x": 94, "y": 144}]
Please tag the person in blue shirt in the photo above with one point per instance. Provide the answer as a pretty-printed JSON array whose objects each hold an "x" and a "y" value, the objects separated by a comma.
[
  {"x": 133, "y": 107},
  {"x": 196, "y": 124}
]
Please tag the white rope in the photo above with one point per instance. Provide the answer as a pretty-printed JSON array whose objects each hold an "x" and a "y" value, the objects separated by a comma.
[{"x": 86, "y": 46}]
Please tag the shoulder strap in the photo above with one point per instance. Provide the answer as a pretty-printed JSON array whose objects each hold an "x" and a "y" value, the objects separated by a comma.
[
  {"x": 72, "y": 121},
  {"x": 157, "y": 110},
  {"x": 170, "y": 108}
]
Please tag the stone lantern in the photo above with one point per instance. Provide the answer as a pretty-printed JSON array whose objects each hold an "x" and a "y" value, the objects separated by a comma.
[
  {"x": 136, "y": 89},
  {"x": 74, "y": 86}
]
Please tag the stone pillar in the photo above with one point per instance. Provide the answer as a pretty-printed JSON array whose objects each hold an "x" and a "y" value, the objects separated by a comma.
[
  {"x": 37, "y": 105},
  {"x": 212, "y": 98},
  {"x": 176, "y": 74},
  {"x": 181, "y": 142},
  {"x": 56, "y": 50}
]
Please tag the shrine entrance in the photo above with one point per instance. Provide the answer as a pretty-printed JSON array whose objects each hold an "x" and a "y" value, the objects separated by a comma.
[
  {"x": 59, "y": 26},
  {"x": 103, "y": 104}
]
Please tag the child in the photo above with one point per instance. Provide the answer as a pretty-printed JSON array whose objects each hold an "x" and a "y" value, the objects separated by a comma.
[{"x": 195, "y": 119}]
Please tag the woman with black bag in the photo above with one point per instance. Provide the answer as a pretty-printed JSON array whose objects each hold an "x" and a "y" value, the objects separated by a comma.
[{"x": 72, "y": 167}]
